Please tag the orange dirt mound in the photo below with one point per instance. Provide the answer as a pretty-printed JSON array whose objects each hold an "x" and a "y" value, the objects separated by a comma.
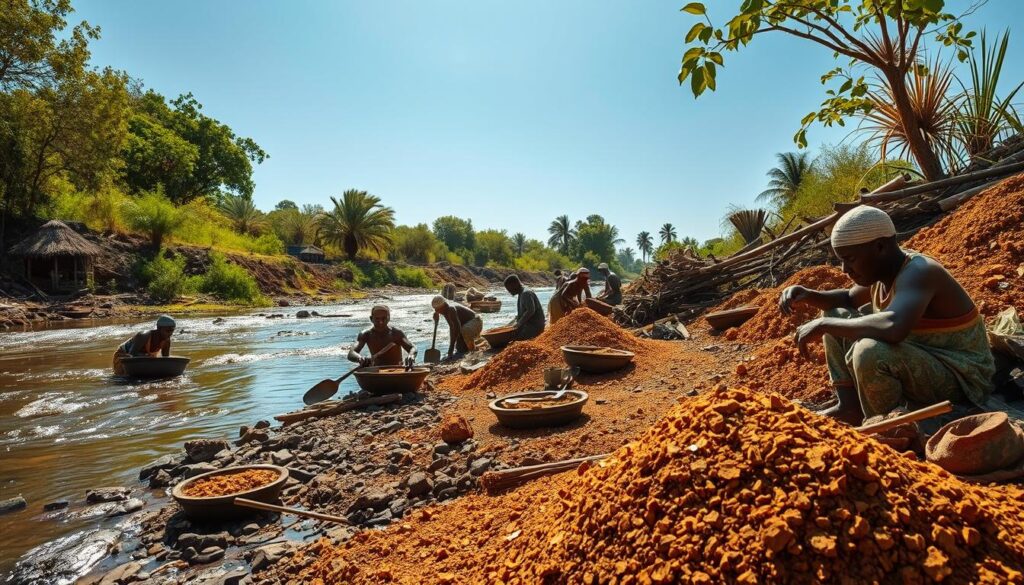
[
  {"x": 230, "y": 483},
  {"x": 982, "y": 244},
  {"x": 586, "y": 327},
  {"x": 513, "y": 363},
  {"x": 730, "y": 487},
  {"x": 778, "y": 366}
]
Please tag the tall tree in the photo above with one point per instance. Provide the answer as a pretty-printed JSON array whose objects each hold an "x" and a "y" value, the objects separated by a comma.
[
  {"x": 883, "y": 37},
  {"x": 242, "y": 212},
  {"x": 455, "y": 232},
  {"x": 785, "y": 179},
  {"x": 286, "y": 204},
  {"x": 595, "y": 241},
  {"x": 519, "y": 243},
  {"x": 562, "y": 234},
  {"x": 645, "y": 243},
  {"x": 35, "y": 50},
  {"x": 667, "y": 233},
  {"x": 358, "y": 222}
]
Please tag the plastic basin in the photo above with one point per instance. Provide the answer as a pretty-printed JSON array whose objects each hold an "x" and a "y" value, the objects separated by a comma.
[
  {"x": 222, "y": 507},
  {"x": 499, "y": 337},
  {"x": 723, "y": 320},
  {"x": 601, "y": 307},
  {"x": 485, "y": 306},
  {"x": 596, "y": 360},
  {"x": 528, "y": 418},
  {"x": 154, "y": 367},
  {"x": 390, "y": 379}
]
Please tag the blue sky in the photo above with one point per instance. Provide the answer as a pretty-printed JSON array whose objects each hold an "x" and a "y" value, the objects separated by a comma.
[{"x": 507, "y": 113}]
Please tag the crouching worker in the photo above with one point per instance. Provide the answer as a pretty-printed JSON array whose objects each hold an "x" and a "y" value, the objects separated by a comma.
[
  {"x": 906, "y": 333},
  {"x": 464, "y": 326},
  {"x": 529, "y": 321},
  {"x": 378, "y": 337},
  {"x": 146, "y": 343}
]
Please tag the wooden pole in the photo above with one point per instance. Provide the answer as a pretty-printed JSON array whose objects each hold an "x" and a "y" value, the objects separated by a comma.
[
  {"x": 996, "y": 170},
  {"x": 955, "y": 201},
  {"x": 921, "y": 414},
  {"x": 286, "y": 510}
]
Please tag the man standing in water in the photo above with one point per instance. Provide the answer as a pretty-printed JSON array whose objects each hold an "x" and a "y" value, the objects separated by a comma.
[
  {"x": 146, "y": 343},
  {"x": 378, "y": 337},
  {"x": 570, "y": 295},
  {"x": 464, "y": 326},
  {"x": 529, "y": 321},
  {"x": 612, "y": 293},
  {"x": 906, "y": 332}
]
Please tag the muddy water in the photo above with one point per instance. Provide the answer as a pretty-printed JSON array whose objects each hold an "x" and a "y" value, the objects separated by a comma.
[{"x": 67, "y": 425}]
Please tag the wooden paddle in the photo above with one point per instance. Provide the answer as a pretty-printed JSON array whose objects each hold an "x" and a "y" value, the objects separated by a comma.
[
  {"x": 432, "y": 355},
  {"x": 327, "y": 388},
  {"x": 245, "y": 503}
]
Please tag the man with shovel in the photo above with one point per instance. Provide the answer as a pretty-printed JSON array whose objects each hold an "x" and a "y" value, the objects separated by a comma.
[
  {"x": 464, "y": 326},
  {"x": 378, "y": 337}
]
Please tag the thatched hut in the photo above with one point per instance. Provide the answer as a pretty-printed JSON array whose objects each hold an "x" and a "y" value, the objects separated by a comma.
[
  {"x": 57, "y": 258},
  {"x": 312, "y": 254}
]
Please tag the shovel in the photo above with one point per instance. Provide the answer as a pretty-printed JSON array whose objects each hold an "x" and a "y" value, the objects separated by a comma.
[
  {"x": 432, "y": 355},
  {"x": 327, "y": 388}
]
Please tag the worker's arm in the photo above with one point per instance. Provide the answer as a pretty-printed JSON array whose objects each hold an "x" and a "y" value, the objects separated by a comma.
[
  {"x": 454, "y": 328},
  {"x": 529, "y": 310},
  {"x": 166, "y": 350},
  {"x": 586, "y": 291},
  {"x": 914, "y": 290},
  {"x": 844, "y": 298},
  {"x": 354, "y": 353},
  {"x": 408, "y": 347},
  {"x": 140, "y": 343}
]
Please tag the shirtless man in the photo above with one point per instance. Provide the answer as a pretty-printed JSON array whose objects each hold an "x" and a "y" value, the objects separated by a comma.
[
  {"x": 612, "y": 293},
  {"x": 906, "y": 332},
  {"x": 570, "y": 295},
  {"x": 377, "y": 337},
  {"x": 146, "y": 343},
  {"x": 464, "y": 326}
]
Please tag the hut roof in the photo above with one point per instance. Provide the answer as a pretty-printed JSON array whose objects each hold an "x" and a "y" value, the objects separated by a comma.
[
  {"x": 312, "y": 250},
  {"x": 55, "y": 238}
]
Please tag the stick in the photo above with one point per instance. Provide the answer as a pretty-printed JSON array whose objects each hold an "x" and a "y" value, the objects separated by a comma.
[
  {"x": 496, "y": 481},
  {"x": 995, "y": 170},
  {"x": 922, "y": 414},
  {"x": 323, "y": 411},
  {"x": 286, "y": 510},
  {"x": 954, "y": 201}
]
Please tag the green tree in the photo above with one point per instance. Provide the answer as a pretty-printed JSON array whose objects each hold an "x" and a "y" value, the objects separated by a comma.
[
  {"x": 785, "y": 179},
  {"x": 645, "y": 243},
  {"x": 35, "y": 50},
  {"x": 456, "y": 233},
  {"x": 667, "y": 233},
  {"x": 154, "y": 215},
  {"x": 597, "y": 238},
  {"x": 358, "y": 222},
  {"x": 286, "y": 204},
  {"x": 156, "y": 155},
  {"x": 562, "y": 234},
  {"x": 242, "y": 212},
  {"x": 493, "y": 247},
  {"x": 984, "y": 115},
  {"x": 294, "y": 227},
  {"x": 519, "y": 243},
  {"x": 627, "y": 258},
  {"x": 415, "y": 244},
  {"x": 883, "y": 37}
]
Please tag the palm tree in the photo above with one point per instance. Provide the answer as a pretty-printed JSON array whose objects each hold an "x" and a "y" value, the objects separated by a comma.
[
  {"x": 244, "y": 217},
  {"x": 358, "y": 222},
  {"x": 562, "y": 234},
  {"x": 667, "y": 233},
  {"x": 645, "y": 243},
  {"x": 749, "y": 223},
  {"x": 297, "y": 228},
  {"x": 786, "y": 178},
  {"x": 519, "y": 243}
]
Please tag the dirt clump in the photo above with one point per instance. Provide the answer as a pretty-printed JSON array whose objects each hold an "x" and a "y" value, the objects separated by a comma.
[
  {"x": 731, "y": 486},
  {"x": 982, "y": 245},
  {"x": 455, "y": 429},
  {"x": 230, "y": 483},
  {"x": 778, "y": 366},
  {"x": 512, "y": 364}
]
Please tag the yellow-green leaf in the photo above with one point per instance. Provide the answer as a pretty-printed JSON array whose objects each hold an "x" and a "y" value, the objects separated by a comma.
[
  {"x": 694, "y": 8},
  {"x": 690, "y": 36}
]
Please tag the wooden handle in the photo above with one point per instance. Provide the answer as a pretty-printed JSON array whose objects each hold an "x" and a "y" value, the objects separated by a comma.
[
  {"x": 286, "y": 510},
  {"x": 433, "y": 343},
  {"x": 922, "y": 414}
]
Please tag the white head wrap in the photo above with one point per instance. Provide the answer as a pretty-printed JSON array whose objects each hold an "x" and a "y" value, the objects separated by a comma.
[
  {"x": 437, "y": 302},
  {"x": 165, "y": 321},
  {"x": 861, "y": 225}
]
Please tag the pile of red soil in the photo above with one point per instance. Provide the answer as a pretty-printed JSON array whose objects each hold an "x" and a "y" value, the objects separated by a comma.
[
  {"x": 778, "y": 366},
  {"x": 730, "y": 487},
  {"x": 982, "y": 245}
]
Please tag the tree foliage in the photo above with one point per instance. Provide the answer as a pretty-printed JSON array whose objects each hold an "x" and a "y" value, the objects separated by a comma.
[
  {"x": 562, "y": 234},
  {"x": 785, "y": 179},
  {"x": 645, "y": 243},
  {"x": 456, "y": 233},
  {"x": 358, "y": 222}
]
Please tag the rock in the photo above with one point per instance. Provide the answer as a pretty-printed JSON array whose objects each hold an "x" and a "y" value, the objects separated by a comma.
[
  {"x": 125, "y": 573},
  {"x": 283, "y": 303},
  {"x": 201, "y": 542},
  {"x": 204, "y": 450},
  {"x": 197, "y": 469},
  {"x": 262, "y": 425},
  {"x": 12, "y": 505},
  {"x": 219, "y": 321},
  {"x": 479, "y": 466},
  {"x": 251, "y": 528},
  {"x": 160, "y": 479},
  {"x": 165, "y": 462},
  {"x": 418, "y": 484},
  {"x": 268, "y": 555},
  {"x": 455, "y": 429},
  {"x": 302, "y": 315},
  {"x": 132, "y": 505},
  {"x": 441, "y": 449},
  {"x": 390, "y": 427},
  {"x": 107, "y": 494},
  {"x": 301, "y": 475},
  {"x": 282, "y": 457},
  {"x": 253, "y": 436},
  {"x": 64, "y": 559},
  {"x": 447, "y": 493},
  {"x": 400, "y": 456},
  {"x": 375, "y": 500},
  {"x": 208, "y": 555},
  {"x": 438, "y": 464},
  {"x": 56, "y": 505}
]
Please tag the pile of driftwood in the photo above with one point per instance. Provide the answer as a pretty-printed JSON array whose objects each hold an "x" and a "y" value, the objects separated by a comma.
[{"x": 684, "y": 285}]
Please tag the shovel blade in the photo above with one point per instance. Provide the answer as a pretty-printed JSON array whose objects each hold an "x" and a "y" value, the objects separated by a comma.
[
  {"x": 322, "y": 391},
  {"x": 432, "y": 356}
]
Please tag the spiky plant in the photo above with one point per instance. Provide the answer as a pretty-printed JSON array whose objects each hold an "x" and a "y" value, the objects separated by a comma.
[
  {"x": 667, "y": 233},
  {"x": 245, "y": 218},
  {"x": 749, "y": 223},
  {"x": 519, "y": 243},
  {"x": 983, "y": 116},
  {"x": 562, "y": 234},
  {"x": 645, "y": 243},
  {"x": 785, "y": 179},
  {"x": 358, "y": 222}
]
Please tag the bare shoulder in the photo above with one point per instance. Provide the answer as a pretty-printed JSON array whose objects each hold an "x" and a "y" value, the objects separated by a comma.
[
  {"x": 924, "y": 271},
  {"x": 363, "y": 335},
  {"x": 397, "y": 333}
]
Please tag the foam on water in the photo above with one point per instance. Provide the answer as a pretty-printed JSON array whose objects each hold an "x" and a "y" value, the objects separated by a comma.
[{"x": 52, "y": 403}]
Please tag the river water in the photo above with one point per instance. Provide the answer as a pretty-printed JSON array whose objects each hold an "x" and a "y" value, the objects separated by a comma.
[{"x": 67, "y": 425}]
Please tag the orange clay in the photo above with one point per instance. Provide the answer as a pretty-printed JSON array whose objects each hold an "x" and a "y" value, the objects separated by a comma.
[{"x": 230, "y": 483}]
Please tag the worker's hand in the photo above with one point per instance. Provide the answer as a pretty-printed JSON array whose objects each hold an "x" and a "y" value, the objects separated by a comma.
[
  {"x": 410, "y": 361},
  {"x": 365, "y": 360},
  {"x": 806, "y": 334},
  {"x": 436, "y": 316},
  {"x": 792, "y": 296}
]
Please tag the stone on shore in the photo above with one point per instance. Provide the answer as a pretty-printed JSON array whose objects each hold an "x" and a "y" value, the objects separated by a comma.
[
  {"x": 204, "y": 450},
  {"x": 12, "y": 505},
  {"x": 107, "y": 494}
]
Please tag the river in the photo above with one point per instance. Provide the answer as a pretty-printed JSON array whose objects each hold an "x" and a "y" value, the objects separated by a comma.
[{"x": 67, "y": 425}]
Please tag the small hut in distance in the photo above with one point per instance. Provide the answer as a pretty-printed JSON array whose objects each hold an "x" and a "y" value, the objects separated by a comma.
[{"x": 57, "y": 258}]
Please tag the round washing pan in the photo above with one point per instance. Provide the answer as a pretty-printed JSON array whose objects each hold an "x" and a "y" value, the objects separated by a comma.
[
  {"x": 499, "y": 337},
  {"x": 391, "y": 379},
  {"x": 154, "y": 367},
  {"x": 222, "y": 507},
  {"x": 550, "y": 416},
  {"x": 596, "y": 360},
  {"x": 722, "y": 320}
]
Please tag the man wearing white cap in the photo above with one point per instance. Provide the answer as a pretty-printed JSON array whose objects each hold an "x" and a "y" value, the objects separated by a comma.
[
  {"x": 146, "y": 343},
  {"x": 464, "y": 326},
  {"x": 906, "y": 333}
]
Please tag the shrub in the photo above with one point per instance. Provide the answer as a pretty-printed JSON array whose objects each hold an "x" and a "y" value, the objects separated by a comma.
[
  {"x": 413, "y": 277},
  {"x": 268, "y": 244},
  {"x": 154, "y": 215},
  {"x": 230, "y": 282},
  {"x": 165, "y": 278}
]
